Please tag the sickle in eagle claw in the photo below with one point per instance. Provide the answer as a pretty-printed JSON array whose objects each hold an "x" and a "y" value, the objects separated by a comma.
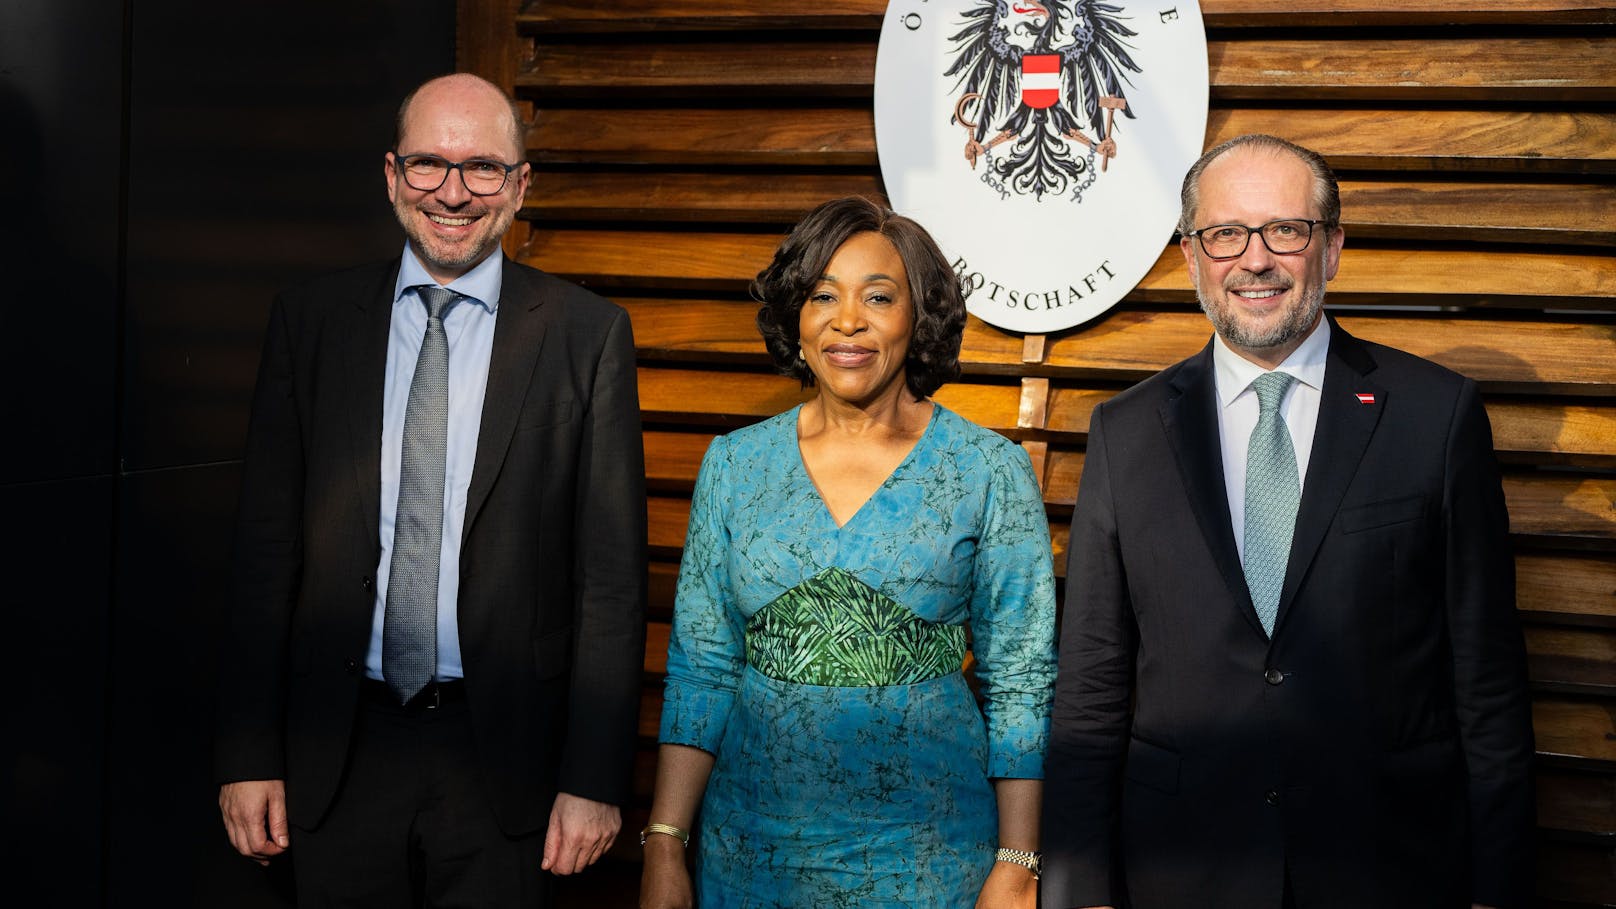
[{"x": 973, "y": 148}]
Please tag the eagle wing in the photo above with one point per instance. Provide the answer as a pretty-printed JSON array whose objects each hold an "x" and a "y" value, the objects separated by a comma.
[
  {"x": 984, "y": 63},
  {"x": 1096, "y": 64}
]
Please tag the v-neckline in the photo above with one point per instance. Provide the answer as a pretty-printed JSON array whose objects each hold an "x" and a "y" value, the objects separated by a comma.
[{"x": 824, "y": 507}]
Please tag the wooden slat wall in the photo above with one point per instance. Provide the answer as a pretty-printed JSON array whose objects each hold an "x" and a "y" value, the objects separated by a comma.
[{"x": 676, "y": 141}]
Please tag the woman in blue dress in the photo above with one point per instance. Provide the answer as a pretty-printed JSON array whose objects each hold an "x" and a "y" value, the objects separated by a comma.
[{"x": 816, "y": 717}]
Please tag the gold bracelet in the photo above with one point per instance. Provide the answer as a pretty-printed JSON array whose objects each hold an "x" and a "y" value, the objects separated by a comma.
[
  {"x": 682, "y": 836},
  {"x": 1032, "y": 861}
]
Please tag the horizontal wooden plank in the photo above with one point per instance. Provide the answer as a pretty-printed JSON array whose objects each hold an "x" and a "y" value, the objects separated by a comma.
[
  {"x": 1478, "y": 211},
  {"x": 1297, "y": 13},
  {"x": 714, "y": 398},
  {"x": 551, "y": 17},
  {"x": 1562, "y": 510},
  {"x": 656, "y": 648},
  {"x": 1566, "y": 587},
  {"x": 818, "y": 137},
  {"x": 1369, "y": 276},
  {"x": 734, "y": 69},
  {"x": 777, "y": 199},
  {"x": 1575, "y": 727},
  {"x": 1574, "y": 875},
  {"x": 673, "y": 458},
  {"x": 1570, "y": 142},
  {"x": 1569, "y": 70},
  {"x": 1468, "y": 211},
  {"x": 1540, "y": 432},
  {"x": 1549, "y": 142},
  {"x": 1128, "y": 345},
  {"x": 668, "y": 517},
  {"x": 662, "y": 577},
  {"x": 1572, "y": 658},
  {"x": 1563, "y": 69},
  {"x": 1576, "y": 800}
]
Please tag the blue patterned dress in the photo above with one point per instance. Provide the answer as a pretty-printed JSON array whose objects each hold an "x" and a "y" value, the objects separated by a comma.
[{"x": 822, "y": 666}]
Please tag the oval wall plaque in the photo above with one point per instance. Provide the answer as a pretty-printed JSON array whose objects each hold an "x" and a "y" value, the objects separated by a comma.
[{"x": 1042, "y": 142}]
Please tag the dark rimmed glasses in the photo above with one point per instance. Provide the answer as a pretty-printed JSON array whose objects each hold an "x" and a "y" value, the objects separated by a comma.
[
  {"x": 1284, "y": 237},
  {"x": 481, "y": 176}
]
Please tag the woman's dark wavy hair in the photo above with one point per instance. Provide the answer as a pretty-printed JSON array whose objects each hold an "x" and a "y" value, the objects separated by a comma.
[{"x": 934, "y": 289}]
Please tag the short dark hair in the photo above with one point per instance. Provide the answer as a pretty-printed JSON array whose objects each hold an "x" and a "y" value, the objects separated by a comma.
[
  {"x": 518, "y": 127},
  {"x": 1326, "y": 193},
  {"x": 934, "y": 289}
]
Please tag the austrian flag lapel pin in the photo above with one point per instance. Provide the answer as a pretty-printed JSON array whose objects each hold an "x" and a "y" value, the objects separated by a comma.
[{"x": 1365, "y": 397}]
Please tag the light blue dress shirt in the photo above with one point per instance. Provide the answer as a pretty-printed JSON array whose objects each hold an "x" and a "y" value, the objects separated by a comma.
[{"x": 469, "y": 327}]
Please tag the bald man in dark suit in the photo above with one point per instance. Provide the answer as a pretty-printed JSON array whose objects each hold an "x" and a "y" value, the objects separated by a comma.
[{"x": 451, "y": 751}]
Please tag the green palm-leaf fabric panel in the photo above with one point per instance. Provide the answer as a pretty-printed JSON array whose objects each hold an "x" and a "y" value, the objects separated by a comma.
[{"x": 837, "y": 630}]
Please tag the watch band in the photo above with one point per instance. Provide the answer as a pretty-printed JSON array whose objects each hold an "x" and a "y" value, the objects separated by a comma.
[{"x": 1032, "y": 861}]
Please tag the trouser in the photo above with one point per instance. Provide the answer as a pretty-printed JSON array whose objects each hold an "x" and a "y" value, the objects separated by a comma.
[{"x": 412, "y": 824}]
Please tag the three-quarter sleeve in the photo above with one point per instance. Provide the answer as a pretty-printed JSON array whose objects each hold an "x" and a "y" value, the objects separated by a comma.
[
  {"x": 1013, "y": 616},
  {"x": 707, "y": 648}
]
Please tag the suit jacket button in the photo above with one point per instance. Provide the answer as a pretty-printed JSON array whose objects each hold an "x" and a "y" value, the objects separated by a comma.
[
  {"x": 1271, "y": 797},
  {"x": 368, "y": 583},
  {"x": 350, "y": 666},
  {"x": 1273, "y": 677}
]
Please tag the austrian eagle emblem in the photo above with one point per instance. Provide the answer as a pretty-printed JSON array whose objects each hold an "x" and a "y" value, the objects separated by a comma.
[{"x": 1043, "y": 76}]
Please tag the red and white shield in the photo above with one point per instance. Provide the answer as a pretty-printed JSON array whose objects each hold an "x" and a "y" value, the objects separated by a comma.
[{"x": 1040, "y": 80}]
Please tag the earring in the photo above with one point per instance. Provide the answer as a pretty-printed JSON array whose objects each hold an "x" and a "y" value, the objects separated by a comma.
[{"x": 800, "y": 357}]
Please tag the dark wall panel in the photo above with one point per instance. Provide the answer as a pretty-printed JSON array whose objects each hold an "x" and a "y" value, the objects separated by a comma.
[
  {"x": 173, "y": 576},
  {"x": 256, "y": 140},
  {"x": 61, "y": 65},
  {"x": 58, "y": 569}
]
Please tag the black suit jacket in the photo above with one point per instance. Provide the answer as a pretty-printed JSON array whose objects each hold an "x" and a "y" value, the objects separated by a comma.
[
  {"x": 1378, "y": 750},
  {"x": 552, "y": 569}
]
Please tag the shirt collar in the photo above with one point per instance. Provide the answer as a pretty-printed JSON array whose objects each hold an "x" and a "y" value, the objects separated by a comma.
[
  {"x": 1306, "y": 364},
  {"x": 481, "y": 284}
]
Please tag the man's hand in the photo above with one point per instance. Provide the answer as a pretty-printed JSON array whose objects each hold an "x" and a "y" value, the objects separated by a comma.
[
  {"x": 580, "y": 832},
  {"x": 255, "y": 818}
]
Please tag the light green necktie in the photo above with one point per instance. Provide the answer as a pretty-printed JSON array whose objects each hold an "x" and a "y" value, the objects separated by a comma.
[{"x": 1272, "y": 494}]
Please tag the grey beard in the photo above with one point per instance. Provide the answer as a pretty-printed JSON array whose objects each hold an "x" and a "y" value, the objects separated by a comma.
[{"x": 1236, "y": 335}]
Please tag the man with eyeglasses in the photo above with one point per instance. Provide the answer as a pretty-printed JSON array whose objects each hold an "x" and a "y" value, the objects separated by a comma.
[
  {"x": 433, "y": 662},
  {"x": 1291, "y": 673}
]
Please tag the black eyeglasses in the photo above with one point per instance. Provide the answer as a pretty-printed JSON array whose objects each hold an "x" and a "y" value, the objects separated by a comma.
[
  {"x": 481, "y": 176},
  {"x": 1284, "y": 237}
]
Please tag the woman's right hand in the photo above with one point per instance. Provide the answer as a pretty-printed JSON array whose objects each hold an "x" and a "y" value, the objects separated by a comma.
[{"x": 665, "y": 882}]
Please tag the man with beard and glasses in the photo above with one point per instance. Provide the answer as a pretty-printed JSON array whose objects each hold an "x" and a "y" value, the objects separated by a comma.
[
  {"x": 1291, "y": 673},
  {"x": 432, "y": 664}
]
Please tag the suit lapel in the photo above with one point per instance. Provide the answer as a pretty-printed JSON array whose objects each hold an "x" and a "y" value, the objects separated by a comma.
[
  {"x": 518, "y": 336},
  {"x": 1344, "y": 428},
  {"x": 366, "y": 358},
  {"x": 1190, "y": 419}
]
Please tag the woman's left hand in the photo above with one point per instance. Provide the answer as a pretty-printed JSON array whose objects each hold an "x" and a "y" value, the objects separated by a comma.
[{"x": 1008, "y": 886}]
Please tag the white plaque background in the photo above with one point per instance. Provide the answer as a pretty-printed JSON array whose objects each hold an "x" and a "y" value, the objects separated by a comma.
[{"x": 1034, "y": 265}]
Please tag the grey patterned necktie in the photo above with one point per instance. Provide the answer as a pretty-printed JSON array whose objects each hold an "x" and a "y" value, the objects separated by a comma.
[
  {"x": 1273, "y": 491},
  {"x": 410, "y": 625}
]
